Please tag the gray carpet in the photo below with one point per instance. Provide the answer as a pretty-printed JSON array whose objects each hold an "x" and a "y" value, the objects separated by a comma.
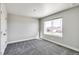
[{"x": 37, "y": 47}]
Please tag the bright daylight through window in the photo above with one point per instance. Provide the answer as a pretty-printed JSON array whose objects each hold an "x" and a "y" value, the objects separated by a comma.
[{"x": 53, "y": 27}]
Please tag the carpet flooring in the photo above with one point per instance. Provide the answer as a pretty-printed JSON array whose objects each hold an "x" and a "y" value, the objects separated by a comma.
[{"x": 37, "y": 47}]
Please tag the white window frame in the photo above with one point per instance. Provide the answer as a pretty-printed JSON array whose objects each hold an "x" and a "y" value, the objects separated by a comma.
[{"x": 53, "y": 34}]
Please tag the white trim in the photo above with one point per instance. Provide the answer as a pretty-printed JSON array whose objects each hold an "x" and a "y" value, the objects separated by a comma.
[
  {"x": 2, "y": 52},
  {"x": 21, "y": 40},
  {"x": 63, "y": 45}
]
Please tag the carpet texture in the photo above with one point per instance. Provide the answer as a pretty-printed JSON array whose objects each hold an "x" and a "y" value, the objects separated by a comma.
[{"x": 37, "y": 47}]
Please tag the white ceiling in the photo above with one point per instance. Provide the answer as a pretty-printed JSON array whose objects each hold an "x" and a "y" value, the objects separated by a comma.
[{"x": 37, "y": 9}]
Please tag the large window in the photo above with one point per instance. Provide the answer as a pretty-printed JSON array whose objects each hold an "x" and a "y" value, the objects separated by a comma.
[{"x": 53, "y": 27}]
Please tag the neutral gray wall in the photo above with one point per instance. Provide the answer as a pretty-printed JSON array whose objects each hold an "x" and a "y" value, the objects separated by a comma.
[
  {"x": 21, "y": 27},
  {"x": 70, "y": 28}
]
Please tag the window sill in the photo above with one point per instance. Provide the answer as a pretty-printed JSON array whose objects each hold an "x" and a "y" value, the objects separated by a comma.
[{"x": 54, "y": 34}]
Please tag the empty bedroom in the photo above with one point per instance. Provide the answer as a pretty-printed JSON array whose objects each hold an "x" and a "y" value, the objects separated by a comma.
[{"x": 39, "y": 29}]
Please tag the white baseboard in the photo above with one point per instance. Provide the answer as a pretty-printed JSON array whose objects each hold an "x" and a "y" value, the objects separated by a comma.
[
  {"x": 67, "y": 46},
  {"x": 21, "y": 40},
  {"x": 47, "y": 40}
]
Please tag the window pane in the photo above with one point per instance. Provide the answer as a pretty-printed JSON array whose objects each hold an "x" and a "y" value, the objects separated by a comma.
[{"x": 53, "y": 27}]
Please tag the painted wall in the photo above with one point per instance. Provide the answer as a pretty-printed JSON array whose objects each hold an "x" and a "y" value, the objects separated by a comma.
[
  {"x": 21, "y": 27},
  {"x": 70, "y": 28}
]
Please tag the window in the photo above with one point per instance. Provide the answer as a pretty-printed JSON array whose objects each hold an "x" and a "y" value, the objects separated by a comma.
[{"x": 53, "y": 27}]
